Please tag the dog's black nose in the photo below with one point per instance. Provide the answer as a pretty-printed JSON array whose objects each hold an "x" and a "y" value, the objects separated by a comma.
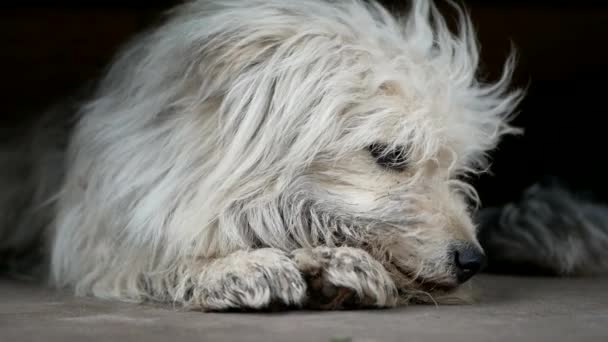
[{"x": 468, "y": 260}]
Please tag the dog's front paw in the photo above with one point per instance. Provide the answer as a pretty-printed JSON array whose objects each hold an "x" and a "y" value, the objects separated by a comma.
[
  {"x": 259, "y": 279},
  {"x": 344, "y": 277}
]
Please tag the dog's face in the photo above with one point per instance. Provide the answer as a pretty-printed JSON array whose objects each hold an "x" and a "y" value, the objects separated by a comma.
[
  {"x": 392, "y": 181},
  {"x": 393, "y": 178}
]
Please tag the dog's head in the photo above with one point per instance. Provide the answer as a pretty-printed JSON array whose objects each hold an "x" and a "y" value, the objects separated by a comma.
[{"x": 340, "y": 124}]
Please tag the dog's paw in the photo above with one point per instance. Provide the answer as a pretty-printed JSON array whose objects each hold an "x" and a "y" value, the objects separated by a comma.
[
  {"x": 344, "y": 277},
  {"x": 250, "y": 280}
]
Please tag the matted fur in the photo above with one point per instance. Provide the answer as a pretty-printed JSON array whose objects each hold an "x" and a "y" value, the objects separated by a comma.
[{"x": 237, "y": 134}]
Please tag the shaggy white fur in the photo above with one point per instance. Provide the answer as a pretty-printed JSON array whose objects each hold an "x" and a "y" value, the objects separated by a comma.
[{"x": 243, "y": 141}]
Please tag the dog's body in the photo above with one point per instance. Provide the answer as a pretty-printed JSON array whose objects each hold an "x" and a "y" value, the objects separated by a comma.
[{"x": 250, "y": 153}]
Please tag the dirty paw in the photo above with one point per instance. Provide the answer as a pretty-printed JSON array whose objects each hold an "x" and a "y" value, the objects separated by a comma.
[
  {"x": 255, "y": 280},
  {"x": 343, "y": 278}
]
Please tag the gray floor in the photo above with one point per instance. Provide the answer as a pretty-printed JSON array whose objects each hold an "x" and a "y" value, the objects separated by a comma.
[{"x": 510, "y": 309}]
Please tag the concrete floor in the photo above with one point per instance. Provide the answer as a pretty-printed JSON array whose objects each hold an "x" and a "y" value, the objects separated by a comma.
[{"x": 510, "y": 309}]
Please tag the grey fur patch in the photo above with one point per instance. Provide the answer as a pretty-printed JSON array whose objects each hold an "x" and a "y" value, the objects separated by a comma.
[
  {"x": 549, "y": 231},
  {"x": 31, "y": 171}
]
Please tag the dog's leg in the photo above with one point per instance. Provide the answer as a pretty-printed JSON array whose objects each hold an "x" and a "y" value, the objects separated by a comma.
[
  {"x": 256, "y": 279},
  {"x": 345, "y": 277}
]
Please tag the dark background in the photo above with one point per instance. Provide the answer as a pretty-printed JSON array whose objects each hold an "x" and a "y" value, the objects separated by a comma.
[{"x": 49, "y": 48}]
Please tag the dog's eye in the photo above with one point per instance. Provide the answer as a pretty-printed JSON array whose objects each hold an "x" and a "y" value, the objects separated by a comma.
[{"x": 390, "y": 158}]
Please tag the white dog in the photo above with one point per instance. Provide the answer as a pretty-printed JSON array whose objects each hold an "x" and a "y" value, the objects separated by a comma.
[{"x": 252, "y": 153}]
